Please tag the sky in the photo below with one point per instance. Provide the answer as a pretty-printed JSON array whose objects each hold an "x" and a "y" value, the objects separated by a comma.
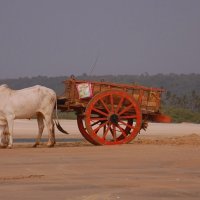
[{"x": 98, "y": 37}]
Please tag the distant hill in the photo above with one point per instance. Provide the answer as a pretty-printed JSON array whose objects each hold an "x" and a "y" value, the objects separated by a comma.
[{"x": 175, "y": 83}]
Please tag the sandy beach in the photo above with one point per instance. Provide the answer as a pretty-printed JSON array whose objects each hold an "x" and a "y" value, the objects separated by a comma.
[{"x": 161, "y": 163}]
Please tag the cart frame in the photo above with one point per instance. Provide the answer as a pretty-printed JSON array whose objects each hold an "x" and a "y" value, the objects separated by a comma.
[{"x": 111, "y": 113}]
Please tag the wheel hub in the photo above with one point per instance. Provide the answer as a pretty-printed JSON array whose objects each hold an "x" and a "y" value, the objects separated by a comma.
[{"x": 114, "y": 119}]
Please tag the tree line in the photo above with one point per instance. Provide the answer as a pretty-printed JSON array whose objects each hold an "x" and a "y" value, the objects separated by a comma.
[{"x": 181, "y": 99}]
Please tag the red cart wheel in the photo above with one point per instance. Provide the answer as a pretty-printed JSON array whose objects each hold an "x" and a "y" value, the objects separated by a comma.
[
  {"x": 113, "y": 117},
  {"x": 82, "y": 129}
]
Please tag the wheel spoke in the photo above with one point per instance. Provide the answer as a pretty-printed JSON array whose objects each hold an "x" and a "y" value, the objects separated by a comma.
[
  {"x": 122, "y": 130},
  {"x": 126, "y": 109},
  {"x": 112, "y": 103},
  {"x": 104, "y": 105},
  {"x": 119, "y": 105},
  {"x": 98, "y": 118},
  {"x": 126, "y": 124},
  {"x": 99, "y": 127},
  {"x": 100, "y": 112},
  {"x": 106, "y": 131},
  {"x": 114, "y": 132},
  {"x": 95, "y": 123}
]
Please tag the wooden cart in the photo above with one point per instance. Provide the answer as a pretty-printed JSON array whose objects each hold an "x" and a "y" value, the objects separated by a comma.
[{"x": 109, "y": 113}]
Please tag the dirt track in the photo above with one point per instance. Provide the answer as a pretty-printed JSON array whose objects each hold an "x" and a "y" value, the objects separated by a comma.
[{"x": 160, "y": 164}]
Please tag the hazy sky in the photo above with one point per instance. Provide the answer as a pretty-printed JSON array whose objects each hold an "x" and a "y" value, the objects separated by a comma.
[{"x": 64, "y": 37}]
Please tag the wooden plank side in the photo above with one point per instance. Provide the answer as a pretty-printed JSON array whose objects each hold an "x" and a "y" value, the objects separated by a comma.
[{"x": 147, "y": 98}]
